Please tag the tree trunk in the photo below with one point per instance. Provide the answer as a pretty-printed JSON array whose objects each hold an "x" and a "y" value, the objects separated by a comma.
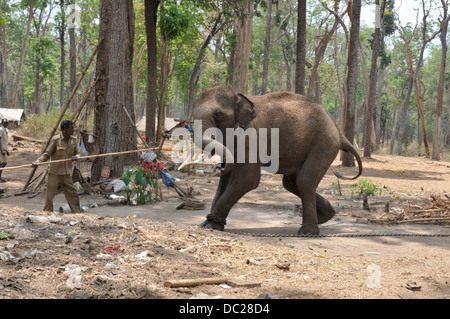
[
  {"x": 62, "y": 70},
  {"x": 416, "y": 72},
  {"x": 265, "y": 75},
  {"x": 73, "y": 63},
  {"x": 114, "y": 88},
  {"x": 368, "y": 127},
  {"x": 195, "y": 75},
  {"x": 379, "y": 106},
  {"x": 246, "y": 41},
  {"x": 151, "y": 9},
  {"x": 440, "y": 98},
  {"x": 352, "y": 79},
  {"x": 4, "y": 78},
  {"x": 31, "y": 11},
  {"x": 300, "y": 73}
]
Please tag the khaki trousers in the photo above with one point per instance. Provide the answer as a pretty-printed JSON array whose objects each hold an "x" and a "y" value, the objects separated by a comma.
[{"x": 66, "y": 184}]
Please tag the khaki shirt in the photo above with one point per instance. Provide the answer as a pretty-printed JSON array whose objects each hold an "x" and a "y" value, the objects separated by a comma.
[
  {"x": 58, "y": 149},
  {"x": 3, "y": 139}
]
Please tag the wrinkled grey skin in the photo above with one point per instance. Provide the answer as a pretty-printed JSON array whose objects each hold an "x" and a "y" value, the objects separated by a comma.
[{"x": 309, "y": 141}]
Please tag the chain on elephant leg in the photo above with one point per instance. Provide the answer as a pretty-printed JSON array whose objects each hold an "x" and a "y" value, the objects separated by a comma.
[{"x": 214, "y": 222}]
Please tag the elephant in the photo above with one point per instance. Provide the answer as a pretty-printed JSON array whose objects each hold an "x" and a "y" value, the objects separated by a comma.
[{"x": 308, "y": 143}]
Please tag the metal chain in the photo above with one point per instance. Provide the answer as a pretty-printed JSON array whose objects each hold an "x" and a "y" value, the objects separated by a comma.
[{"x": 341, "y": 235}]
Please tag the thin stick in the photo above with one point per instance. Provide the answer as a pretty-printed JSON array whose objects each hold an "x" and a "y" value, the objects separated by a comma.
[{"x": 79, "y": 159}]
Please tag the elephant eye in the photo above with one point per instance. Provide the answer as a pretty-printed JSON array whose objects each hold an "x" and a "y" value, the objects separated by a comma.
[{"x": 218, "y": 115}]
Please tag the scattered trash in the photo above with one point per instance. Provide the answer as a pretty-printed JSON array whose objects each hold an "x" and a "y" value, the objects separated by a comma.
[
  {"x": 65, "y": 209},
  {"x": 112, "y": 196},
  {"x": 413, "y": 286},
  {"x": 265, "y": 296},
  {"x": 110, "y": 250},
  {"x": 103, "y": 257},
  {"x": 110, "y": 266},
  {"x": 190, "y": 249},
  {"x": 74, "y": 276},
  {"x": 199, "y": 172},
  {"x": 118, "y": 185}
]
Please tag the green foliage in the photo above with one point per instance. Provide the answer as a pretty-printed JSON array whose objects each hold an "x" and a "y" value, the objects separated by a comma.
[
  {"x": 144, "y": 184},
  {"x": 175, "y": 20},
  {"x": 337, "y": 186},
  {"x": 366, "y": 188},
  {"x": 4, "y": 235}
]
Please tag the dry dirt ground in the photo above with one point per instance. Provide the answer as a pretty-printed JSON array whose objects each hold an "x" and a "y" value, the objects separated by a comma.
[{"x": 132, "y": 252}]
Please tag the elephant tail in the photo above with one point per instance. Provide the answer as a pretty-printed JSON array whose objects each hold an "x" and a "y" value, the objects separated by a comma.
[{"x": 346, "y": 146}]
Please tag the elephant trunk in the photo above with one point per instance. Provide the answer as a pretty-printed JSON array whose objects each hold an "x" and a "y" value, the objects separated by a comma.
[{"x": 214, "y": 146}]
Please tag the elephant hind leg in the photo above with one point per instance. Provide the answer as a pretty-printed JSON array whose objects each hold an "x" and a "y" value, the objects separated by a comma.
[{"x": 324, "y": 209}]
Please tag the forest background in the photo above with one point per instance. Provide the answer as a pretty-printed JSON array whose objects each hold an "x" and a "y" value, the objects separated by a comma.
[{"x": 402, "y": 89}]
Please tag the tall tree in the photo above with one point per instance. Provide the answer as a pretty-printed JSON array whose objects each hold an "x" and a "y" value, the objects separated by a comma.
[
  {"x": 62, "y": 39},
  {"x": 73, "y": 55},
  {"x": 373, "y": 79},
  {"x": 151, "y": 13},
  {"x": 440, "y": 98},
  {"x": 114, "y": 87},
  {"x": 301, "y": 48},
  {"x": 31, "y": 11},
  {"x": 265, "y": 75},
  {"x": 245, "y": 36},
  {"x": 195, "y": 75},
  {"x": 354, "y": 11},
  {"x": 414, "y": 75}
]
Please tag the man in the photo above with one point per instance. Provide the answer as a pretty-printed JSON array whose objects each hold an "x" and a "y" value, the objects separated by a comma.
[
  {"x": 3, "y": 146},
  {"x": 63, "y": 146}
]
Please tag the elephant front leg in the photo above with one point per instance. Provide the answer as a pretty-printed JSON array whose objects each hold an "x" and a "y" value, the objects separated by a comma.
[{"x": 231, "y": 188}]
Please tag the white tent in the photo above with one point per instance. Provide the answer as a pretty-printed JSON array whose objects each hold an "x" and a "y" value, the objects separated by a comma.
[
  {"x": 13, "y": 115},
  {"x": 168, "y": 124}
]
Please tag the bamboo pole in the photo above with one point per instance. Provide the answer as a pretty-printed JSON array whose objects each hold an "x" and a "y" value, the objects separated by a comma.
[{"x": 79, "y": 159}]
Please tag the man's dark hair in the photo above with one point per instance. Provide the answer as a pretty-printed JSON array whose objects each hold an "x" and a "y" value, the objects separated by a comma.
[{"x": 66, "y": 124}]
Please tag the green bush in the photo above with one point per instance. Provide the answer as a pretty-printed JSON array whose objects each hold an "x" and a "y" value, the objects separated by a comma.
[
  {"x": 366, "y": 188},
  {"x": 144, "y": 184}
]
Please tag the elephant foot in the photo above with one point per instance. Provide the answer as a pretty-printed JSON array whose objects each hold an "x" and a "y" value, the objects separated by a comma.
[
  {"x": 324, "y": 216},
  {"x": 214, "y": 222},
  {"x": 212, "y": 225},
  {"x": 309, "y": 230}
]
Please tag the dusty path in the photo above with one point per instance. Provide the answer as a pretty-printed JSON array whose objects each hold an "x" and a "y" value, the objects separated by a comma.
[{"x": 159, "y": 243}]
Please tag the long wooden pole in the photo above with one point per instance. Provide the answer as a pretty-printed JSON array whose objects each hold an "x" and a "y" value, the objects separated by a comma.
[
  {"x": 79, "y": 159},
  {"x": 74, "y": 91}
]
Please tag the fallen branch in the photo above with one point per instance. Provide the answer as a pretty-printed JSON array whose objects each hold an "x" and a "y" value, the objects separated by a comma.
[
  {"x": 25, "y": 138},
  {"x": 416, "y": 220},
  {"x": 196, "y": 282}
]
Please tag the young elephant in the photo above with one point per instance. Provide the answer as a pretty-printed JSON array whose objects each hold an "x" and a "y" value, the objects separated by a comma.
[{"x": 308, "y": 142}]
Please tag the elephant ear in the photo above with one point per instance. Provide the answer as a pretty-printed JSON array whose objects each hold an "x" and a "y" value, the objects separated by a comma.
[{"x": 245, "y": 111}]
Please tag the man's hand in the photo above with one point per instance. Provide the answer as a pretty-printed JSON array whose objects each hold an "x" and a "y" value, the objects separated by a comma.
[
  {"x": 34, "y": 164},
  {"x": 75, "y": 158}
]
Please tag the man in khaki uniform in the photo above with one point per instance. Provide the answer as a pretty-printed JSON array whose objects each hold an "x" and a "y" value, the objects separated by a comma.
[
  {"x": 3, "y": 146},
  {"x": 63, "y": 146}
]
